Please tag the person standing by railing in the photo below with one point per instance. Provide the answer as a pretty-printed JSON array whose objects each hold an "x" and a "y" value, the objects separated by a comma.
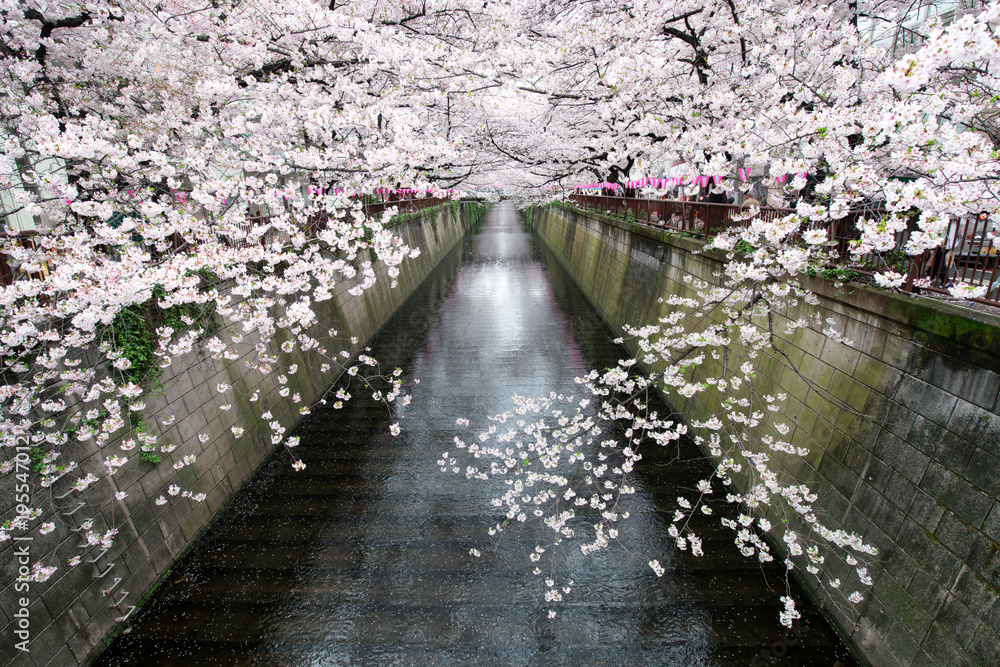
[
  {"x": 942, "y": 261},
  {"x": 698, "y": 223}
]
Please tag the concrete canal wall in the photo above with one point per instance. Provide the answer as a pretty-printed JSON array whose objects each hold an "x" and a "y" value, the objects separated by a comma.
[
  {"x": 71, "y": 614},
  {"x": 902, "y": 428}
]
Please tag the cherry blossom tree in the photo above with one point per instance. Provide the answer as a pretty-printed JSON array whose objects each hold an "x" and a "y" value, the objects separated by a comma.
[
  {"x": 789, "y": 88},
  {"x": 145, "y": 136}
]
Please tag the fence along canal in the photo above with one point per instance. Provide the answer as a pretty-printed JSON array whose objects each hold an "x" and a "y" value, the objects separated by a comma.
[
  {"x": 969, "y": 253},
  {"x": 363, "y": 557}
]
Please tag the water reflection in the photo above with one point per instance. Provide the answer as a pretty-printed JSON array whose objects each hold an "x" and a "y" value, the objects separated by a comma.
[{"x": 363, "y": 557}]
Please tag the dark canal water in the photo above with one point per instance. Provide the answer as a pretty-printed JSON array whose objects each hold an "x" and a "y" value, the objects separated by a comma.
[{"x": 363, "y": 558}]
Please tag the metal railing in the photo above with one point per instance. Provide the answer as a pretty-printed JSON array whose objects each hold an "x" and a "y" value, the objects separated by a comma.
[
  {"x": 403, "y": 205},
  {"x": 699, "y": 219},
  {"x": 374, "y": 208},
  {"x": 11, "y": 271},
  {"x": 969, "y": 255}
]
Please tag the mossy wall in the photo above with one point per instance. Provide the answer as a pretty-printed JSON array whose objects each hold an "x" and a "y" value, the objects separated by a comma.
[
  {"x": 73, "y": 612},
  {"x": 902, "y": 428}
]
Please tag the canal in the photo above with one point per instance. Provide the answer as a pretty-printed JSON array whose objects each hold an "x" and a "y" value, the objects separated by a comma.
[{"x": 363, "y": 557}]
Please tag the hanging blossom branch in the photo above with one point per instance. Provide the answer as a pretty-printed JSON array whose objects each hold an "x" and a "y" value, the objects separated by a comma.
[
  {"x": 568, "y": 462},
  {"x": 143, "y": 165},
  {"x": 83, "y": 348}
]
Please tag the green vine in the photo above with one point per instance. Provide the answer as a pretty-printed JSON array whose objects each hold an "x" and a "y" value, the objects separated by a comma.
[
  {"x": 628, "y": 216},
  {"x": 131, "y": 337},
  {"x": 149, "y": 457},
  {"x": 896, "y": 260},
  {"x": 36, "y": 458},
  {"x": 835, "y": 273},
  {"x": 133, "y": 330}
]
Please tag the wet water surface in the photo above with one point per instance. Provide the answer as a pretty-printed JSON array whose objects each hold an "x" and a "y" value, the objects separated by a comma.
[{"x": 363, "y": 558}]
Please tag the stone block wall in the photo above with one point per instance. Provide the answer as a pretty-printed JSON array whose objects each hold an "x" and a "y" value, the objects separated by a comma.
[
  {"x": 71, "y": 615},
  {"x": 902, "y": 428}
]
